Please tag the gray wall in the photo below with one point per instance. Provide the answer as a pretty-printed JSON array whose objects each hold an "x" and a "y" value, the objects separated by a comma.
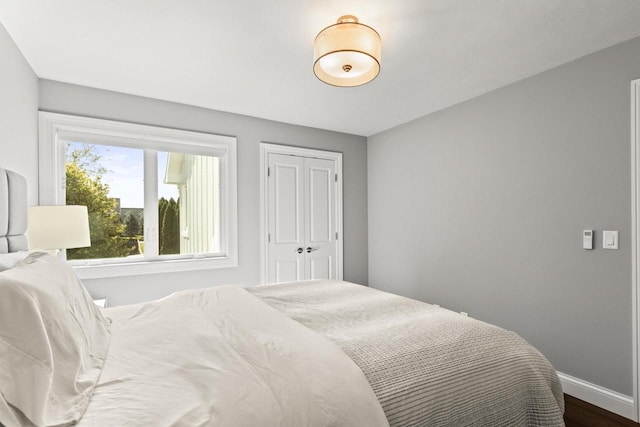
[
  {"x": 18, "y": 114},
  {"x": 480, "y": 208},
  {"x": 71, "y": 99}
]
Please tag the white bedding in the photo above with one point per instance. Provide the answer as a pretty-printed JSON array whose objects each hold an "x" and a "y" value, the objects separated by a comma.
[
  {"x": 220, "y": 356},
  {"x": 53, "y": 343}
]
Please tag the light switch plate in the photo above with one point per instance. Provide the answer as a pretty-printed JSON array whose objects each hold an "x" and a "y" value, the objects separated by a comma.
[{"x": 610, "y": 239}]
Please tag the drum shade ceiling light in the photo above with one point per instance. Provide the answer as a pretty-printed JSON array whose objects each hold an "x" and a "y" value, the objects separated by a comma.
[{"x": 347, "y": 53}]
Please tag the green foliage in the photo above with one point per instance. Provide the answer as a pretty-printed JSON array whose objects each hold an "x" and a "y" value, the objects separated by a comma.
[
  {"x": 87, "y": 159},
  {"x": 112, "y": 237},
  {"x": 169, "y": 218},
  {"x": 163, "y": 204},
  {"x": 85, "y": 187},
  {"x": 133, "y": 225}
]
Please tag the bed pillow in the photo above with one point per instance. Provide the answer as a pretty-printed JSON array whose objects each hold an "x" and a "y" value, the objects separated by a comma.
[
  {"x": 9, "y": 260},
  {"x": 53, "y": 342}
]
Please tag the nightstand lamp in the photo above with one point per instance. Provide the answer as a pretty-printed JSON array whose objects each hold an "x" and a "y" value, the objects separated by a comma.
[{"x": 52, "y": 228}]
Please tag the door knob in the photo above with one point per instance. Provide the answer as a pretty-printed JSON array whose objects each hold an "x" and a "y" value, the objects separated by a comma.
[
  {"x": 299, "y": 250},
  {"x": 310, "y": 249}
]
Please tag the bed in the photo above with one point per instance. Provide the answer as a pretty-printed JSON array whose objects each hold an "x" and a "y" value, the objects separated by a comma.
[{"x": 316, "y": 353}]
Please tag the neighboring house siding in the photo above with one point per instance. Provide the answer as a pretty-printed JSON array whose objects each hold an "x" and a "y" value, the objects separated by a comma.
[{"x": 197, "y": 180}]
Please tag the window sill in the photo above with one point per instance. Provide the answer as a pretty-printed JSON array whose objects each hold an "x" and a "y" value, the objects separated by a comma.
[{"x": 151, "y": 267}]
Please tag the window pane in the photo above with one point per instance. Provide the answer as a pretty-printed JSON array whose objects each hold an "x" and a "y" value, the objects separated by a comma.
[
  {"x": 189, "y": 203},
  {"x": 109, "y": 181}
]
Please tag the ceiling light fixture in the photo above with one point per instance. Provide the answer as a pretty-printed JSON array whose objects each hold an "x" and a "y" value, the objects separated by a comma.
[{"x": 347, "y": 53}]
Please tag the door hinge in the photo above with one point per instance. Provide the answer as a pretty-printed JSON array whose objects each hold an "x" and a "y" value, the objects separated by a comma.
[
  {"x": 336, "y": 177},
  {"x": 268, "y": 171},
  {"x": 268, "y": 237},
  {"x": 336, "y": 235}
]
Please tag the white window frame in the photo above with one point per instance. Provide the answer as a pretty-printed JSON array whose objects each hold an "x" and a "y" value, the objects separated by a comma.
[{"x": 56, "y": 128}]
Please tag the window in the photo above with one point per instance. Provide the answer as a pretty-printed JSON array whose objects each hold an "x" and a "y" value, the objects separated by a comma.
[{"x": 158, "y": 199}]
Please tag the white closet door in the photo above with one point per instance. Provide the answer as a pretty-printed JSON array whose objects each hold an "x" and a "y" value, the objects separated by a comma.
[
  {"x": 286, "y": 218},
  {"x": 302, "y": 219},
  {"x": 320, "y": 219}
]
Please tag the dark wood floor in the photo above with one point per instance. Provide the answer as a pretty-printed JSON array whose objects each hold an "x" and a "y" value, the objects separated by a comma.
[{"x": 578, "y": 413}]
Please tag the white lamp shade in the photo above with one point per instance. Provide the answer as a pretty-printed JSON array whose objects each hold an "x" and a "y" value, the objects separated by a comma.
[
  {"x": 58, "y": 227},
  {"x": 347, "y": 53}
]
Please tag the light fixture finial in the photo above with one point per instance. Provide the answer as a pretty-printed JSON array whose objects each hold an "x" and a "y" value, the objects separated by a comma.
[{"x": 344, "y": 19}]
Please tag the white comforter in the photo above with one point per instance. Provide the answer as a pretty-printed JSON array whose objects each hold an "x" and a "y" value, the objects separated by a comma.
[{"x": 220, "y": 356}]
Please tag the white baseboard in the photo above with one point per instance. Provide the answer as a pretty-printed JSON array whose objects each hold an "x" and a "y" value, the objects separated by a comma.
[{"x": 604, "y": 398}]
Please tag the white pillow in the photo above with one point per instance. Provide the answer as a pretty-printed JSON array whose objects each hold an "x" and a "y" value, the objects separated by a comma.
[
  {"x": 53, "y": 342},
  {"x": 9, "y": 260}
]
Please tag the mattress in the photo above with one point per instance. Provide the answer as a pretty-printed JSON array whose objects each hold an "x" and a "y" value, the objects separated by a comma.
[{"x": 428, "y": 366}]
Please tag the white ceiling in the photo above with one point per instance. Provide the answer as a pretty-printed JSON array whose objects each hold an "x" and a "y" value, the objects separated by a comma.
[{"x": 255, "y": 57}]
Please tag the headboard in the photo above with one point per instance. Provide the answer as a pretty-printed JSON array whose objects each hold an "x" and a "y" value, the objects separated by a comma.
[{"x": 13, "y": 212}]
